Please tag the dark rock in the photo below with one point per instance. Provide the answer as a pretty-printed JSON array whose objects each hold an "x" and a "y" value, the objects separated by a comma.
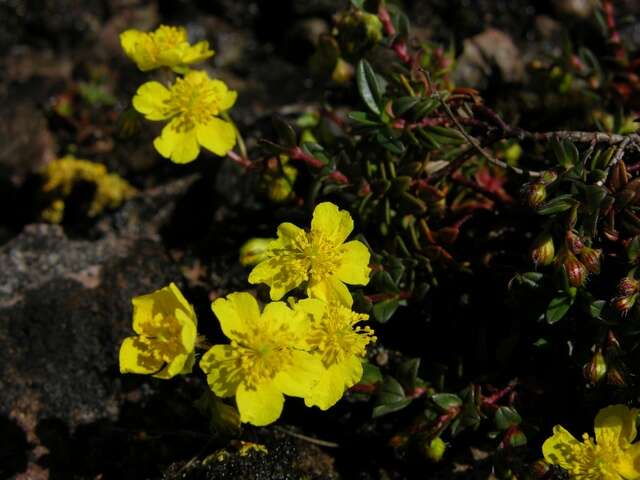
[
  {"x": 287, "y": 458},
  {"x": 491, "y": 52},
  {"x": 65, "y": 306}
]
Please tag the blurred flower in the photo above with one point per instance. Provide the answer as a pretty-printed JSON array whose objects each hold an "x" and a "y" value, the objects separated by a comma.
[
  {"x": 192, "y": 106},
  {"x": 265, "y": 359},
  {"x": 319, "y": 257},
  {"x": 254, "y": 251},
  {"x": 166, "y": 327},
  {"x": 340, "y": 344},
  {"x": 164, "y": 47},
  {"x": 611, "y": 457},
  {"x": 111, "y": 190}
]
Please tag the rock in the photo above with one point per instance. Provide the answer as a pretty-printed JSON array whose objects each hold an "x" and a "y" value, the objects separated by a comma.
[
  {"x": 488, "y": 52},
  {"x": 65, "y": 306},
  {"x": 287, "y": 458},
  {"x": 26, "y": 143},
  {"x": 574, "y": 8}
]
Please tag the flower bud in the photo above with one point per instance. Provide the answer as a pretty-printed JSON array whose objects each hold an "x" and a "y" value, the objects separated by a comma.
[
  {"x": 615, "y": 377},
  {"x": 548, "y": 177},
  {"x": 624, "y": 303},
  {"x": 628, "y": 286},
  {"x": 612, "y": 341},
  {"x": 534, "y": 194},
  {"x": 574, "y": 242},
  {"x": 434, "y": 450},
  {"x": 590, "y": 257},
  {"x": 576, "y": 271},
  {"x": 540, "y": 468},
  {"x": 596, "y": 369},
  {"x": 254, "y": 251},
  {"x": 543, "y": 251}
]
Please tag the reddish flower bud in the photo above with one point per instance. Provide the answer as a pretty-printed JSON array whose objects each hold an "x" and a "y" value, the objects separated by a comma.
[
  {"x": 543, "y": 250},
  {"x": 590, "y": 257},
  {"x": 576, "y": 272},
  {"x": 628, "y": 286},
  {"x": 623, "y": 304},
  {"x": 534, "y": 194},
  {"x": 574, "y": 242},
  {"x": 540, "y": 468},
  {"x": 615, "y": 377},
  {"x": 596, "y": 369}
]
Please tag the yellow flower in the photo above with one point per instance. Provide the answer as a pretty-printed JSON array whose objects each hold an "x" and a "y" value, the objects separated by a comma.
[
  {"x": 165, "y": 47},
  {"x": 264, "y": 360},
  {"x": 341, "y": 346},
  {"x": 166, "y": 327},
  {"x": 319, "y": 257},
  {"x": 192, "y": 104},
  {"x": 611, "y": 457},
  {"x": 62, "y": 174}
]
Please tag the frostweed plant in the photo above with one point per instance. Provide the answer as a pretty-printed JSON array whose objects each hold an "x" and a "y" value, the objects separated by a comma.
[
  {"x": 192, "y": 105},
  {"x": 166, "y": 329},
  {"x": 318, "y": 257},
  {"x": 612, "y": 456},
  {"x": 265, "y": 360},
  {"x": 165, "y": 47},
  {"x": 340, "y": 343}
]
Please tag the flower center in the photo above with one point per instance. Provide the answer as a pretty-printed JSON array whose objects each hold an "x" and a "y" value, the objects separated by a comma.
[
  {"x": 194, "y": 100},
  {"x": 335, "y": 337}
]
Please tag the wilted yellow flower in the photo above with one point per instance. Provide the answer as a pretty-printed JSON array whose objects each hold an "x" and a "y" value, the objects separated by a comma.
[
  {"x": 192, "y": 104},
  {"x": 62, "y": 174},
  {"x": 341, "y": 345},
  {"x": 165, "y": 47},
  {"x": 264, "y": 360},
  {"x": 319, "y": 257},
  {"x": 166, "y": 327},
  {"x": 611, "y": 457}
]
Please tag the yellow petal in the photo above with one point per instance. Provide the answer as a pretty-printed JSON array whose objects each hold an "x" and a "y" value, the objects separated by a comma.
[
  {"x": 616, "y": 424},
  {"x": 561, "y": 448},
  {"x": 333, "y": 382},
  {"x": 260, "y": 406},
  {"x": 222, "y": 374},
  {"x": 164, "y": 301},
  {"x": 129, "y": 39},
  {"x": 217, "y": 136},
  {"x": 354, "y": 263},
  {"x": 150, "y": 100},
  {"x": 333, "y": 223},
  {"x": 226, "y": 97},
  {"x": 277, "y": 315},
  {"x": 282, "y": 274},
  {"x": 174, "y": 367},
  {"x": 135, "y": 357},
  {"x": 311, "y": 306},
  {"x": 302, "y": 376},
  {"x": 237, "y": 314},
  {"x": 180, "y": 145},
  {"x": 330, "y": 289},
  {"x": 197, "y": 53},
  {"x": 188, "y": 331}
]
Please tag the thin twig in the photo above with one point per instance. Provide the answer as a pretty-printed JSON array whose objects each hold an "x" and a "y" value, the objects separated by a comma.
[
  {"x": 474, "y": 143},
  {"x": 614, "y": 161},
  {"x": 322, "y": 443}
]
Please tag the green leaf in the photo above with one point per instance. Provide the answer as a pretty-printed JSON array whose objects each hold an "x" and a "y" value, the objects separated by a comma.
[
  {"x": 408, "y": 373},
  {"x": 446, "y": 401},
  {"x": 368, "y": 86},
  {"x": 370, "y": 373},
  {"x": 285, "y": 132},
  {"x": 507, "y": 416},
  {"x": 558, "y": 308},
  {"x": 391, "y": 397},
  {"x": 595, "y": 309},
  {"x": 561, "y": 203},
  {"x": 633, "y": 250},
  {"x": 403, "y": 104},
  {"x": 565, "y": 152},
  {"x": 384, "y": 310},
  {"x": 363, "y": 119},
  {"x": 518, "y": 439}
]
